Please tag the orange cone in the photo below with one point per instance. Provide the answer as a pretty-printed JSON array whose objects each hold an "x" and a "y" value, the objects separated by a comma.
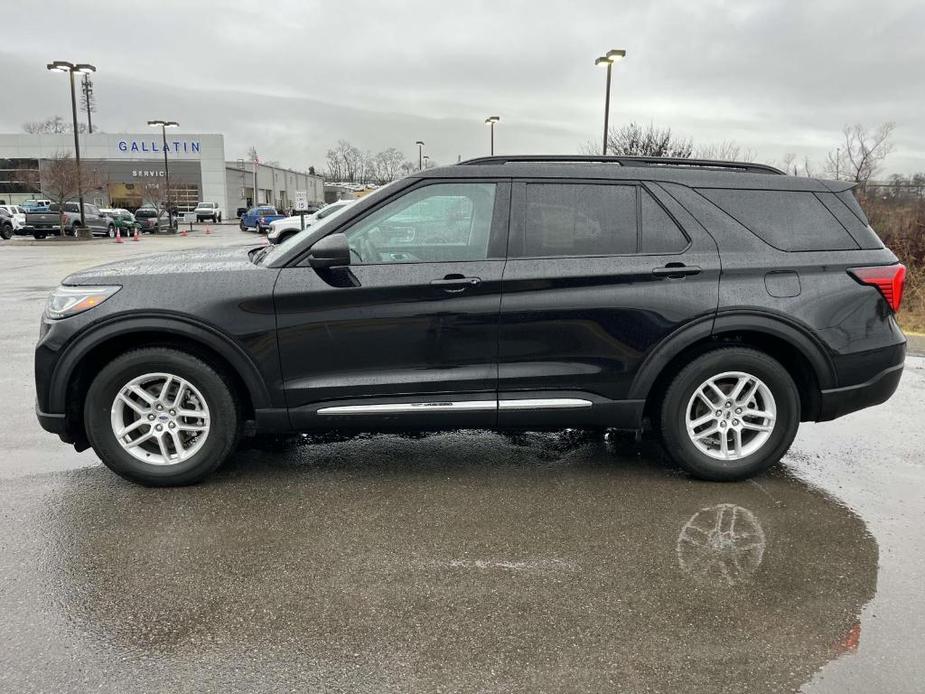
[
  {"x": 119, "y": 237},
  {"x": 184, "y": 233},
  {"x": 135, "y": 236},
  {"x": 208, "y": 230}
]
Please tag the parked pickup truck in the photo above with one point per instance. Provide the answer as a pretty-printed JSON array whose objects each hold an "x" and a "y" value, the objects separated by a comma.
[
  {"x": 259, "y": 218},
  {"x": 50, "y": 223}
]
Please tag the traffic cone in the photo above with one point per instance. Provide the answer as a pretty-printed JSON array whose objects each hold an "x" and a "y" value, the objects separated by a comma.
[
  {"x": 135, "y": 236},
  {"x": 184, "y": 232},
  {"x": 208, "y": 230},
  {"x": 119, "y": 237}
]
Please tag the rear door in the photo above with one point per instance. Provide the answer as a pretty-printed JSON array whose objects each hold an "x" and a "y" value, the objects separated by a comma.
[
  {"x": 598, "y": 274},
  {"x": 407, "y": 335}
]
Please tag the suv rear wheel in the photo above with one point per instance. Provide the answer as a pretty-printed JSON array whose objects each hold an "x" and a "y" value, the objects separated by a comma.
[
  {"x": 729, "y": 414},
  {"x": 161, "y": 417}
]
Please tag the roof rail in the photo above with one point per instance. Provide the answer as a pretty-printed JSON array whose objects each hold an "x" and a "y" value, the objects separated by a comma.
[{"x": 741, "y": 166}]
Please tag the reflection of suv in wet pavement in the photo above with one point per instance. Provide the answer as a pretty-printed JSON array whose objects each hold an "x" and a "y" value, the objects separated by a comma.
[{"x": 719, "y": 303}]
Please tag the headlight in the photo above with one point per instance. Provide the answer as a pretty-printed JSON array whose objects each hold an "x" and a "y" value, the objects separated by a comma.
[{"x": 69, "y": 301}]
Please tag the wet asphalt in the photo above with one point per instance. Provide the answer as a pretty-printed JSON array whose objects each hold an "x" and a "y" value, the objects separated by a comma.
[{"x": 464, "y": 561}]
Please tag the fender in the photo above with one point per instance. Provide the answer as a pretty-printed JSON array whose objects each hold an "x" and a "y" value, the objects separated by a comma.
[
  {"x": 784, "y": 327},
  {"x": 733, "y": 320},
  {"x": 83, "y": 343},
  {"x": 666, "y": 350}
]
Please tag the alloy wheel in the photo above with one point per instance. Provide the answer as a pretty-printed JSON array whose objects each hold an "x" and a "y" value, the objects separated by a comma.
[
  {"x": 160, "y": 419},
  {"x": 731, "y": 415}
]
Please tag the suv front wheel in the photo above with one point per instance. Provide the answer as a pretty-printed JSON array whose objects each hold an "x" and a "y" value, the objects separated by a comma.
[
  {"x": 161, "y": 417},
  {"x": 730, "y": 414}
]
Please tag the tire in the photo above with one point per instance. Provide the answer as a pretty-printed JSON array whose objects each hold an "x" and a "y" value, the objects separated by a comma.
[
  {"x": 6, "y": 232},
  {"x": 111, "y": 232},
  {"x": 243, "y": 228},
  {"x": 219, "y": 220},
  {"x": 39, "y": 235},
  {"x": 774, "y": 393},
  {"x": 204, "y": 387}
]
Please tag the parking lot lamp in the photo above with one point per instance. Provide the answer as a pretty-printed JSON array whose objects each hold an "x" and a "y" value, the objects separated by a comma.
[
  {"x": 608, "y": 60},
  {"x": 491, "y": 120},
  {"x": 164, "y": 124},
  {"x": 83, "y": 69},
  {"x": 420, "y": 155}
]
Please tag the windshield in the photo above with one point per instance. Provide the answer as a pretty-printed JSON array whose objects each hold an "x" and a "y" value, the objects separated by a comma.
[{"x": 146, "y": 213}]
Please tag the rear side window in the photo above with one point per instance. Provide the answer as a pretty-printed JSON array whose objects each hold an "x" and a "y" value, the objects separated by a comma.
[
  {"x": 578, "y": 219},
  {"x": 786, "y": 220},
  {"x": 659, "y": 234},
  {"x": 856, "y": 225}
]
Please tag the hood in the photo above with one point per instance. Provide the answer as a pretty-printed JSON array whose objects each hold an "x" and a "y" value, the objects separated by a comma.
[{"x": 228, "y": 259}]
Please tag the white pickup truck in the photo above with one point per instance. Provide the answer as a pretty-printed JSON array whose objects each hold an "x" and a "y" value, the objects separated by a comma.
[{"x": 208, "y": 210}]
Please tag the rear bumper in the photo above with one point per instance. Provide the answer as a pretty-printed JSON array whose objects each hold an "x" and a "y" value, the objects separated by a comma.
[{"x": 837, "y": 402}]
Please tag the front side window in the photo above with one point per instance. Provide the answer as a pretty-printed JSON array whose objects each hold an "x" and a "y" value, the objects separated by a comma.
[
  {"x": 565, "y": 219},
  {"x": 444, "y": 222}
]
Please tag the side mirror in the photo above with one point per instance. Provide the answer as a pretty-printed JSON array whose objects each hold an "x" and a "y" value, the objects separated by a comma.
[{"x": 331, "y": 251}]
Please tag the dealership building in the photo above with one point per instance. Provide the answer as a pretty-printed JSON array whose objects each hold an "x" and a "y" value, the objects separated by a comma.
[{"x": 125, "y": 166}]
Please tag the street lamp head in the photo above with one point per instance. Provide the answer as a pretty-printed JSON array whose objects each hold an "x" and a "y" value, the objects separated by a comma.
[
  {"x": 171, "y": 124},
  {"x": 419, "y": 143},
  {"x": 492, "y": 119},
  {"x": 84, "y": 68},
  {"x": 155, "y": 123},
  {"x": 616, "y": 54},
  {"x": 60, "y": 66},
  {"x": 603, "y": 60}
]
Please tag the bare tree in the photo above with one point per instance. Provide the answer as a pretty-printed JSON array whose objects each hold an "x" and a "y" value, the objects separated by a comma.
[
  {"x": 58, "y": 180},
  {"x": 55, "y": 125},
  {"x": 635, "y": 140},
  {"x": 388, "y": 165},
  {"x": 727, "y": 150},
  {"x": 154, "y": 194},
  {"x": 861, "y": 154}
]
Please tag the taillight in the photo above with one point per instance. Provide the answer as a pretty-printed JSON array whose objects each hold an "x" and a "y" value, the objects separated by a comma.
[{"x": 889, "y": 279}]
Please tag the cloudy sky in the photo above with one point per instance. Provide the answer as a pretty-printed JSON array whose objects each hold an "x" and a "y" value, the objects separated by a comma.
[{"x": 291, "y": 77}]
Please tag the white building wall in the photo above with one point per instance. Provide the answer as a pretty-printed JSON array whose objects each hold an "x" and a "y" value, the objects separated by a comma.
[{"x": 207, "y": 149}]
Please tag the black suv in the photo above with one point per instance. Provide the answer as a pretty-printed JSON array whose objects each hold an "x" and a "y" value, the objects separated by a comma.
[{"x": 719, "y": 303}]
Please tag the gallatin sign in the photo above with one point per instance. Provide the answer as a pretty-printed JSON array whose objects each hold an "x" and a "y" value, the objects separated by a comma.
[{"x": 187, "y": 146}]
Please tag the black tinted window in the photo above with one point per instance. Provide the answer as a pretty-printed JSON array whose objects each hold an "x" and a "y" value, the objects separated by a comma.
[
  {"x": 787, "y": 220},
  {"x": 578, "y": 219},
  {"x": 861, "y": 231},
  {"x": 659, "y": 233}
]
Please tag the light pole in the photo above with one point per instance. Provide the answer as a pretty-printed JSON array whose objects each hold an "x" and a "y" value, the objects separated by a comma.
[
  {"x": 164, "y": 124},
  {"x": 426, "y": 159},
  {"x": 609, "y": 59},
  {"x": 83, "y": 69},
  {"x": 420, "y": 155},
  {"x": 491, "y": 120}
]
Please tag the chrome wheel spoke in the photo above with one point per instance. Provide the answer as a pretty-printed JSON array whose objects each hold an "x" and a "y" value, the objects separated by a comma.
[
  {"x": 700, "y": 421},
  {"x": 141, "y": 393},
  {"x": 131, "y": 427},
  {"x": 139, "y": 409}
]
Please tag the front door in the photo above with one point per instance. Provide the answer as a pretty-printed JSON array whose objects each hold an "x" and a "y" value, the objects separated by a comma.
[
  {"x": 599, "y": 274},
  {"x": 407, "y": 335}
]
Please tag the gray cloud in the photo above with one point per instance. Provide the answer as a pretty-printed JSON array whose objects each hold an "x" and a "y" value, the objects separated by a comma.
[{"x": 293, "y": 77}]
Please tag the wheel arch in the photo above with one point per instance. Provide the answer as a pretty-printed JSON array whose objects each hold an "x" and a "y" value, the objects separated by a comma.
[
  {"x": 792, "y": 345},
  {"x": 84, "y": 357}
]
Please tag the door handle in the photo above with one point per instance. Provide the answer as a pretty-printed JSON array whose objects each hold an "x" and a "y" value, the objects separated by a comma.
[
  {"x": 456, "y": 283},
  {"x": 676, "y": 271}
]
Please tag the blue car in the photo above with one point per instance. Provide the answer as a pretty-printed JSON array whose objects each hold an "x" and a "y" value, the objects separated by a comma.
[{"x": 259, "y": 218}]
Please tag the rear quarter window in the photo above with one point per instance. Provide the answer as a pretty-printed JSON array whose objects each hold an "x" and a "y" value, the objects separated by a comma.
[{"x": 786, "y": 220}]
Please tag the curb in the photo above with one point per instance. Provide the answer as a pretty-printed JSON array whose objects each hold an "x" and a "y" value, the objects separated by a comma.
[{"x": 915, "y": 344}]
